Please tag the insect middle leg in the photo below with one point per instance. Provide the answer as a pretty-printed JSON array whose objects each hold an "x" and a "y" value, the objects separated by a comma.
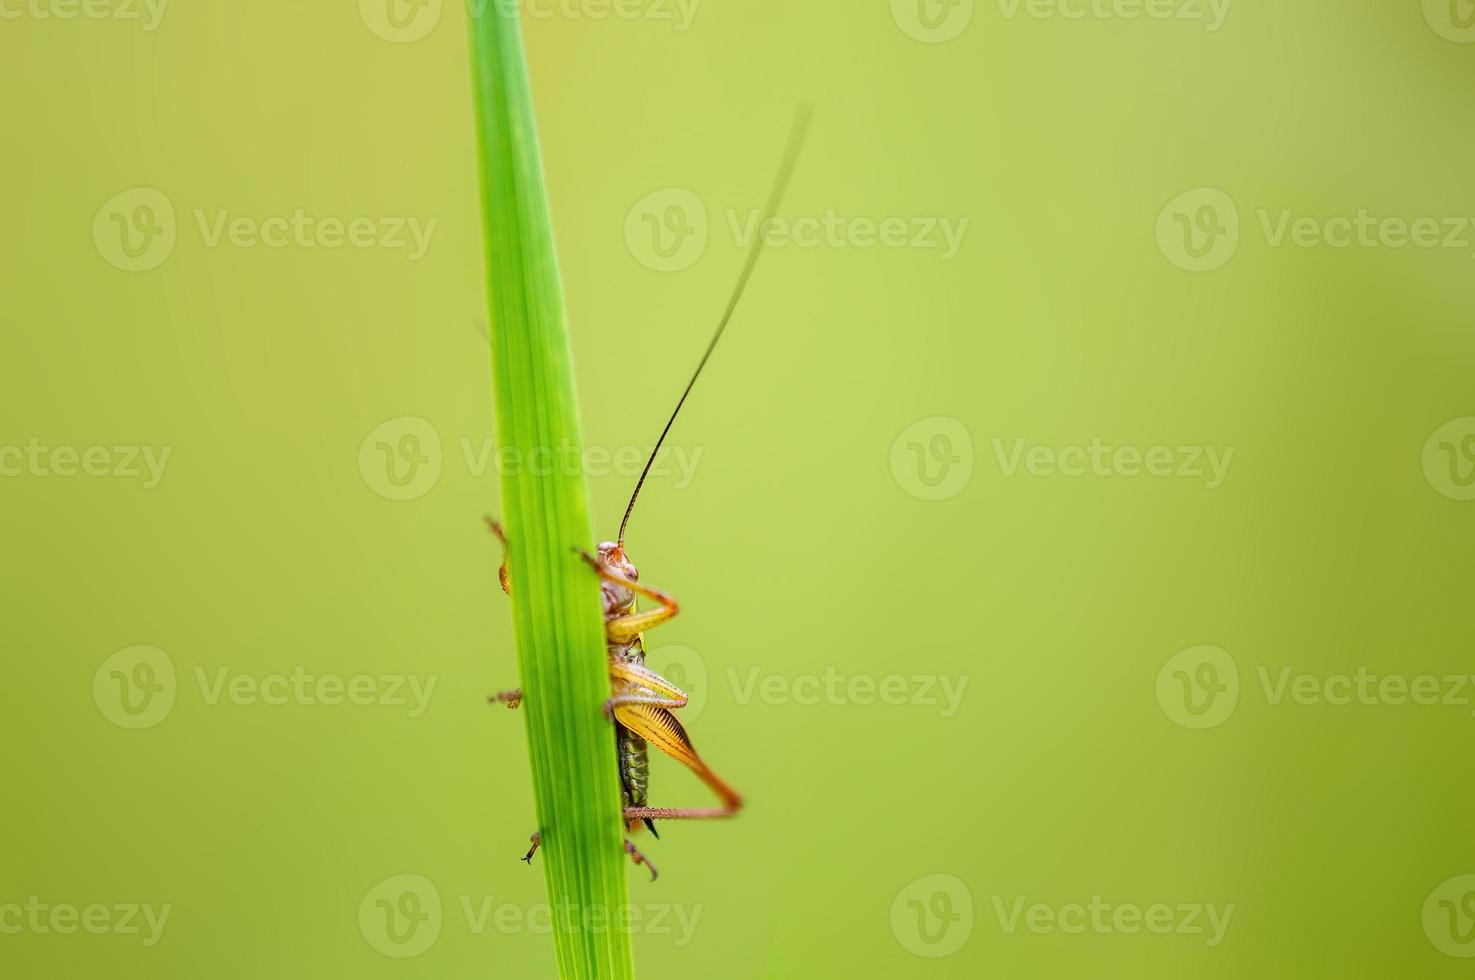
[
  {"x": 511, "y": 698},
  {"x": 662, "y": 692},
  {"x": 628, "y": 673}
]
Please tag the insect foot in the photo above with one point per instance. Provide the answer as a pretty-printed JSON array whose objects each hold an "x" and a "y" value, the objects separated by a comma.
[
  {"x": 639, "y": 859},
  {"x": 510, "y": 698}
]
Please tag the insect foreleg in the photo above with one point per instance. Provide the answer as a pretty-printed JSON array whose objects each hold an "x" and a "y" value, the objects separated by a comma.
[
  {"x": 502, "y": 574},
  {"x": 623, "y": 629}
]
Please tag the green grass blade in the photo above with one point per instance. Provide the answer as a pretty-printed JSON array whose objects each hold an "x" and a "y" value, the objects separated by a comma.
[{"x": 555, "y": 605}]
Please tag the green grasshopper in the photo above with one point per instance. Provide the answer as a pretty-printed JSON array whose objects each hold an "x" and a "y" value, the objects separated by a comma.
[{"x": 642, "y": 702}]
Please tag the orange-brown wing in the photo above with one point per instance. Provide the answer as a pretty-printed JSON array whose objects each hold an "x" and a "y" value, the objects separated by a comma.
[{"x": 660, "y": 728}]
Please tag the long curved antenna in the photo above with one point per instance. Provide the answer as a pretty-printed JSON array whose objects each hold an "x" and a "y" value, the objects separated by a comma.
[{"x": 775, "y": 197}]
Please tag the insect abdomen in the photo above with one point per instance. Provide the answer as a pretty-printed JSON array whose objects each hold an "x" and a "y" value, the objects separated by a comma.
[{"x": 634, "y": 766}]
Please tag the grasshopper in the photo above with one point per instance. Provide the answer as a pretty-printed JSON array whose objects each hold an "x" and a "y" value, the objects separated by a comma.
[{"x": 642, "y": 702}]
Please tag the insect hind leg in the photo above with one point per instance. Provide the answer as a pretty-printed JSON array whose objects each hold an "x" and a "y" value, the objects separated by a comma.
[{"x": 646, "y": 814}]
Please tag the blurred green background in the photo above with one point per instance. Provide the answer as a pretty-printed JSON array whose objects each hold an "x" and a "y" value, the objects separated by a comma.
[{"x": 1153, "y": 250}]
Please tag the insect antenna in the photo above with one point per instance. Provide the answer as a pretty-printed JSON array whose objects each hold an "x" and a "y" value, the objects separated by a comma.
[{"x": 775, "y": 198}]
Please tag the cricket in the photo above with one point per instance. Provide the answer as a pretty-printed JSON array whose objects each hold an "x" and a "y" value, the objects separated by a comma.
[{"x": 642, "y": 703}]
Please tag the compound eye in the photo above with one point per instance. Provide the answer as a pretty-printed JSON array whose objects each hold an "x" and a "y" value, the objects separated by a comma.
[{"x": 634, "y": 574}]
